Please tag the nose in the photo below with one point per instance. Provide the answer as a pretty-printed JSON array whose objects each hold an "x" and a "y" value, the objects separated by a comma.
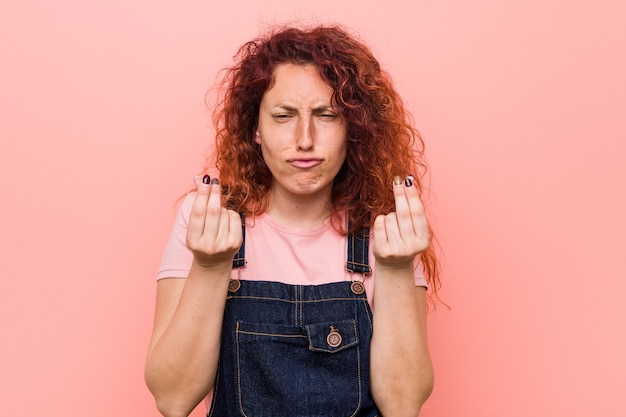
[{"x": 305, "y": 133}]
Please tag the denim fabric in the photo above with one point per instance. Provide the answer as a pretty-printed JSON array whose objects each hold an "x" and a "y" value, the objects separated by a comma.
[
  {"x": 276, "y": 358},
  {"x": 239, "y": 260},
  {"x": 358, "y": 252}
]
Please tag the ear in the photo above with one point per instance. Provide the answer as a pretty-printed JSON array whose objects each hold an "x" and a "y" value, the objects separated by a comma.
[{"x": 257, "y": 136}]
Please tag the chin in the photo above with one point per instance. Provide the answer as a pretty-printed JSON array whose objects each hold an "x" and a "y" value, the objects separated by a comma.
[{"x": 307, "y": 181}]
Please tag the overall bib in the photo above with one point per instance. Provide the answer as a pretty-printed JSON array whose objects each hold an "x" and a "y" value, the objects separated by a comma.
[{"x": 296, "y": 350}]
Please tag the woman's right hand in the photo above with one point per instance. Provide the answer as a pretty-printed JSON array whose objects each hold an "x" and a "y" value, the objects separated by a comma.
[{"x": 214, "y": 233}]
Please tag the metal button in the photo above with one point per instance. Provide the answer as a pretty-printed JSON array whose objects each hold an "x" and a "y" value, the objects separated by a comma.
[
  {"x": 357, "y": 287},
  {"x": 334, "y": 338},
  {"x": 234, "y": 285}
]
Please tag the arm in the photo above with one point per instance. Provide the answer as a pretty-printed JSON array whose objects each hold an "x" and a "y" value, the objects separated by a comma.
[
  {"x": 401, "y": 368},
  {"x": 183, "y": 353}
]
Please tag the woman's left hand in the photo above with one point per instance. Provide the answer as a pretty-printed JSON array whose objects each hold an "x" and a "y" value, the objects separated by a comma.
[{"x": 401, "y": 235}]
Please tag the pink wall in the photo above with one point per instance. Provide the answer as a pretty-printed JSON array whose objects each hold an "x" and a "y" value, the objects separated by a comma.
[{"x": 522, "y": 105}]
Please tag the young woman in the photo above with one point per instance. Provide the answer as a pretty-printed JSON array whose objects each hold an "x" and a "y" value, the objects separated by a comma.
[{"x": 294, "y": 282}]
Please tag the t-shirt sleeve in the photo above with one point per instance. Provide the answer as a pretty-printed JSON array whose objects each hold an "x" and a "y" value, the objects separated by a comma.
[{"x": 177, "y": 257}]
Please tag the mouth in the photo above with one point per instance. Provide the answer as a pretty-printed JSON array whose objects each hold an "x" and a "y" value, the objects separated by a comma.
[{"x": 304, "y": 163}]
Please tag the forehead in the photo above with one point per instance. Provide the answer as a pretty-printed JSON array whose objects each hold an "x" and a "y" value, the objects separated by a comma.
[{"x": 298, "y": 81}]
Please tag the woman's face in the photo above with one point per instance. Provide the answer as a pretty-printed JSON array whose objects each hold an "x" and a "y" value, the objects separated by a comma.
[{"x": 301, "y": 132}]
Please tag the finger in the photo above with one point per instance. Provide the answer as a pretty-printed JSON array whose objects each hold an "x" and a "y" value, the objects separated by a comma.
[
  {"x": 234, "y": 224},
  {"x": 222, "y": 229},
  {"x": 195, "y": 228},
  {"x": 380, "y": 233},
  {"x": 213, "y": 209},
  {"x": 394, "y": 235},
  {"x": 418, "y": 213},
  {"x": 403, "y": 212},
  {"x": 412, "y": 195},
  {"x": 229, "y": 235}
]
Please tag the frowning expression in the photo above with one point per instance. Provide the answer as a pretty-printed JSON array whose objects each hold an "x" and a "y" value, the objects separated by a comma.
[{"x": 301, "y": 131}]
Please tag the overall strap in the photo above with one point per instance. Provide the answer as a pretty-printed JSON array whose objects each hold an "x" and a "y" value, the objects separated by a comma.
[
  {"x": 358, "y": 252},
  {"x": 239, "y": 261}
]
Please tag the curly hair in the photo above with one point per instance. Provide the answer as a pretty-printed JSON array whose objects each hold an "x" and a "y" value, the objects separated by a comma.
[{"x": 381, "y": 140}]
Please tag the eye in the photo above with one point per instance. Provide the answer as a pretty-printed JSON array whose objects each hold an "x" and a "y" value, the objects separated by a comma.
[
  {"x": 281, "y": 117},
  {"x": 328, "y": 116}
]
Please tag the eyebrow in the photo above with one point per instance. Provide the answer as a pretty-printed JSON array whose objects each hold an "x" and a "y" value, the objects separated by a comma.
[{"x": 318, "y": 109}]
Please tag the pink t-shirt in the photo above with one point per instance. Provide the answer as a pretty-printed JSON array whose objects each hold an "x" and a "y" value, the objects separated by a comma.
[{"x": 276, "y": 252}]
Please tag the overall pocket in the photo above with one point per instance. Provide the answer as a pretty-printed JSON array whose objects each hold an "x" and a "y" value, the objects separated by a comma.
[{"x": 313, "y": 370}]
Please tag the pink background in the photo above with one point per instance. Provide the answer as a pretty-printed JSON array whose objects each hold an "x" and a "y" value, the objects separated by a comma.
[{"x": 522, "y": 105}]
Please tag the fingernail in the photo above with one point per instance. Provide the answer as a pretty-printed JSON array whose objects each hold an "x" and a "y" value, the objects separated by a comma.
[
  {"x": 215, "y": 181},
  {"x": 409, "y": 180},
  {"x": 397, "y": 180},
  {"x": 206, "y": 179}
]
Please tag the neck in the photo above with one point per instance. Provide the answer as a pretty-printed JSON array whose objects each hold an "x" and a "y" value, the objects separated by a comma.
[{"x": 306, "y": 211}]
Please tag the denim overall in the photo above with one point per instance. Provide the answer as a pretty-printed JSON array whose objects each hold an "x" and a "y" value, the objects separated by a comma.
[{"x": 296, "y": 350}]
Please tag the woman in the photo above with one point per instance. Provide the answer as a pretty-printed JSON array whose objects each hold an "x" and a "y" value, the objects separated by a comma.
[{"x": 313, "y": 204}]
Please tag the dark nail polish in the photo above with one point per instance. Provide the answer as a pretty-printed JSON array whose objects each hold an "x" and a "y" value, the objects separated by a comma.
[
  {"x": 409, "y": 181},
  {"x": 206, "y": 179},
  {"x": 215, "y": 181}
]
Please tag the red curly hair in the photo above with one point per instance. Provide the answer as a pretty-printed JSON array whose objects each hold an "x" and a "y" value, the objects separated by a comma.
[{"x": 381, "y": 140}]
